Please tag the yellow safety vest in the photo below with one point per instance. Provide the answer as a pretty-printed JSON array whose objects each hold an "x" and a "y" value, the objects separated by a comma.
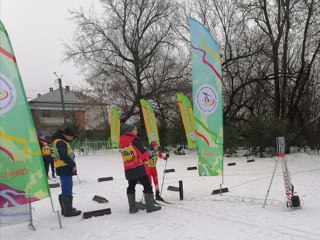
[
  {"x": 57, "y": 161},
  {"x": 152, "y": 163},
  {"x": 46, "y": 151},
  {"x": 130, "y": 157}
]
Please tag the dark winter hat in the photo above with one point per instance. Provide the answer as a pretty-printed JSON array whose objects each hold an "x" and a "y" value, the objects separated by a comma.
[
  {"x": 40, "y": 134},
  {"x": 127, "y": 128},
  {"x": 69, "y": 132}
]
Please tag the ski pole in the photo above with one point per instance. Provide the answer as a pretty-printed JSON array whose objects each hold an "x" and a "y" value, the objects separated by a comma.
[
  {"x": 78, "y": 178},
  {"x": 164, "y": 173}
]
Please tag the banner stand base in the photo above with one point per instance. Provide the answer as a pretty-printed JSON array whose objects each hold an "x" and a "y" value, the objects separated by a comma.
[
  {"x": 59, "y": 219},
  {"x": 220, "y": 190},
  {"x": 30, "y": 225},
  {"x": 58, "y": 213}
]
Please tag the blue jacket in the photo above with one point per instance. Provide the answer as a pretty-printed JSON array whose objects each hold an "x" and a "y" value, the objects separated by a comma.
[{"x": 63, "y": 155}]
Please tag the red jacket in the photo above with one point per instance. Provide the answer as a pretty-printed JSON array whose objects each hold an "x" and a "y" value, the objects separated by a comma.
[
  {"x": 133, "y": 152},
  {"x": 45, "y": 148}
]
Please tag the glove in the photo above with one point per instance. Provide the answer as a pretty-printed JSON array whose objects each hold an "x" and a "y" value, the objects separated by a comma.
[
  {"x": 150, "y": 153},
  {"x": 74, "y": 171},
  {"x": 151, "y": 148}
]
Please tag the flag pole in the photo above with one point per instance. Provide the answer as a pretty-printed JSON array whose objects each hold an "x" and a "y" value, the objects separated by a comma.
[
  {"x": 164, "y": 173},
  {"x": 33, "y": 228},
  {"x": 58, "y": 212},
  {"x": 222, "y": 178}
]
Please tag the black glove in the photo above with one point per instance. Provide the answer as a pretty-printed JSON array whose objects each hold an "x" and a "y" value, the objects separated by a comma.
[
  {"x": 74, "y": 171},
  {"x": 151, "y": 148}
]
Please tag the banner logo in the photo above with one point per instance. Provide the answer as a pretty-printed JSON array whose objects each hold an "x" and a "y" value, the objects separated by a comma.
[
  {"x": 192, "y": 136},
  {"x": 8, "y": 95},
  {"x": 207, "y": 99},
  {"x": 153, "y": 136}
]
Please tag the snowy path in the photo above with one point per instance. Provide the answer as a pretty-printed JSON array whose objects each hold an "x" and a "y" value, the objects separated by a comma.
[{"x": 237, "y": 214}]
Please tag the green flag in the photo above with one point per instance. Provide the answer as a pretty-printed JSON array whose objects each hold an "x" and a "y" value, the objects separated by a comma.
[
  {"x": 150, "y": 121},
  {"x": 114, "y": 127},
  {"x": 207, "y": 99},
  {"x": 22, "y": 175},
  {"x": 187, "y": 119}
]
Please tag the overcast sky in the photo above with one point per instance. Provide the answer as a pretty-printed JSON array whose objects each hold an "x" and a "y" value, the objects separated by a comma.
[{"x": 37, "y": 29}]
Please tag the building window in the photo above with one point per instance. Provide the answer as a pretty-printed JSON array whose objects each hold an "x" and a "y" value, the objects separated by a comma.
[{"x": 46, "y": 113}]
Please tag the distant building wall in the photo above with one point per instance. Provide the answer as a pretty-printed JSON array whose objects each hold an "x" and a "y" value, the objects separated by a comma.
[
  {"x": 80, "y": 119},
  {"x": 51, "y": 120},
  {"x": 95, "y": 120},
  {"x": 47, "y": 112}
]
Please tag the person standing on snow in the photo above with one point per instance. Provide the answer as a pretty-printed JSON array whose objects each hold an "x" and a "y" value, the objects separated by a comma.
[
  {"x": 52, "y": 161},
  {"x": 152, "y": 163},
  {"x": 65, "y": 168},
  {"x": 45, "y": 151},
  {"x": 134, "y": 156}
]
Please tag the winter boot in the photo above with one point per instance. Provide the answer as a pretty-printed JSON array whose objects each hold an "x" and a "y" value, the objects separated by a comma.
[
  {"x": 158, "y": 197},
  {"x": 61, "y": 205},
  {"x": 149, "y": 198},
  {"x": 69, "y": 211},
  {"x": 132, "y": 203}
]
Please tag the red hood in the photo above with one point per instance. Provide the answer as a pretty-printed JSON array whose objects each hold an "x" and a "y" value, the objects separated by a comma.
[{"x": 126, "y": 139}]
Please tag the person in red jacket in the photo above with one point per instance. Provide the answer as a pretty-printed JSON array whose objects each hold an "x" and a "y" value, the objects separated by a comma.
[
  {"x": 45, "y": 151},
  {"x": 152, "y": 163},
  {"x": 134, "y": 156}
]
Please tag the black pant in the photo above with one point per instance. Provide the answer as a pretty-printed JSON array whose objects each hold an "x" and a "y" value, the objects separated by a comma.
[
  {"x": 147, "y": 188},
  {"x": 52, "y": 166},
  {"x": 48, "y": 161}
]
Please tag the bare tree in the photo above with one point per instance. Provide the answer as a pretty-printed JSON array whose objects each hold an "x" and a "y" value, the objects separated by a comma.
[
  {"x": 140, "y": 49},
  {"x": 129, "y": 50},
  {"x": 293, "y": 37},
  {"x": 241, "y": 47},
  {"x": 269, "y": 51},
  {"x": 307, "y": 50}
]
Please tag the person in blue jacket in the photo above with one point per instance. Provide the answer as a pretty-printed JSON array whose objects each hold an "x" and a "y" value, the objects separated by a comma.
[{"x": 64, "y": 162}]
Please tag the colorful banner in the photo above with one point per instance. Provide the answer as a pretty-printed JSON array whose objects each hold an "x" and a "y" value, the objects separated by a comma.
[
  {"x": 22, "y": 175},
  {"x": 187, "y": 119},
  {"x": 207, "y": 99},
  {"x": 150, "y": 121},
  {"x": 114, "y": 127}
]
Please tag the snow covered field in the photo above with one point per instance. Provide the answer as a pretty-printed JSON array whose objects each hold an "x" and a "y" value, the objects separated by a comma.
[{"x": 237, "y": 214}]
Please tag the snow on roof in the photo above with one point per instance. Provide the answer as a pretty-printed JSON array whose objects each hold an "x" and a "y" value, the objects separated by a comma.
[{"x": 54, "y": 97}]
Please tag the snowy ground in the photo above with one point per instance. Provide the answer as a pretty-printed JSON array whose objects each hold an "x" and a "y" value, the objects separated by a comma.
[{"x": 237, "y": 214}]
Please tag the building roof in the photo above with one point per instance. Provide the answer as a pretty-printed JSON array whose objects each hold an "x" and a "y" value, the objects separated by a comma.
[{"x": 54, "y": 96}]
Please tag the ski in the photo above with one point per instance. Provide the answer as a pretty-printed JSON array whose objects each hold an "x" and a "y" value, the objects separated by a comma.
[
  {"x": 142, "y": 206},
  {"x": 164, "y": 201},
  {"x": 157, "y": 203},
  {"x": 53, "y": 180}
]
